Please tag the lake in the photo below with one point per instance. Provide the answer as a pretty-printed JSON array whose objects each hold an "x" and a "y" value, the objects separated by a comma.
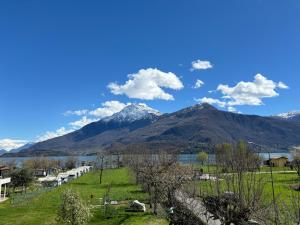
[{"x": 184, "y": 158}]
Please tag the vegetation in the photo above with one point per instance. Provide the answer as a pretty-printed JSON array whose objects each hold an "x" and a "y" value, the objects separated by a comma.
[
  {"x": 238, "y": 189},
  {"x": 73, "y": 210},
  {"x": 202, "y": 157},
  {"x": 43, "y": 208},
  {"x": 21, "y": 177}
]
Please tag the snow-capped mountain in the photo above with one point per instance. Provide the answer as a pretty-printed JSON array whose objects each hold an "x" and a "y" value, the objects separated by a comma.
[
  {"x": 199, "y": 126},
  {"x": 132, "y": 113},
  {"x": 289, "y": 114},
  {"x": 294, "y": 115},
  {"x": 28, "y": 145}
]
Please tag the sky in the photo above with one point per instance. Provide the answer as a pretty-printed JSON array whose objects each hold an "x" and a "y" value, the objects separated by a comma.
[{"x": 64, "y": 64}]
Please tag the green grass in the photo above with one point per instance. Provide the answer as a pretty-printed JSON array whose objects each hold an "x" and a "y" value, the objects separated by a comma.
[
  {"x": 213, "y": 168},
  {"x": 282, "y": 185},
  {"x": 42, "y": 209}
]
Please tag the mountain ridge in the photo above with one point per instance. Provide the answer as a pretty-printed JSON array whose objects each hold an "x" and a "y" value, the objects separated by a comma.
[{"x": 189, "y": 129}]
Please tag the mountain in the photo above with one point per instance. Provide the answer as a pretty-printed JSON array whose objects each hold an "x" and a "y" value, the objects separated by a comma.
[
  {"x": 2, "y": 151},
  {"x": 193, "y": 128},
  {"x": 100, "y": 134},
  {"x": 292, "y": 116},
  {"x": 16, "y": 150},
  {"x": 133, "y": 113}
]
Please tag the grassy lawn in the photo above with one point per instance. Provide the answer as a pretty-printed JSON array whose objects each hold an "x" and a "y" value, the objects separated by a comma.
[
  {"x": 282, "y": 186},
  {"x": 42, "y": 209},
  {"x": 213, "y": 168}
]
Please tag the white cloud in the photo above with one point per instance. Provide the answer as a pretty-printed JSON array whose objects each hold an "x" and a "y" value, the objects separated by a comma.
[
  {"x": 231, "y": 109},
  {"x": 234, "y": 110},
  {"x": 82, "y": 122},
  {"x": 108, "y": 108},
  {"x": 80, "y": 112},
  {"x": 201, "y": 65},
  {"x": 147, "y": 84},
  {"x": 249, "y": 93},
  {"x": 8, "y": 144},
  {"x": 198, "y": 84},
  {"x": 52, "y": 134},
  {"x": 211, "y": 101},
  {"x": 282, "y": 85}
]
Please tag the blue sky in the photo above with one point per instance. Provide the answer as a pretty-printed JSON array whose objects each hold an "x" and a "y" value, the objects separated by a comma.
[{"x": 59, "y": 56}]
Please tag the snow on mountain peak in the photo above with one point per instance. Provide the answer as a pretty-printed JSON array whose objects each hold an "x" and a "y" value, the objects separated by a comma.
[
  {"x": 134, "y": 112},
  {"x": 289, "y": 115}
]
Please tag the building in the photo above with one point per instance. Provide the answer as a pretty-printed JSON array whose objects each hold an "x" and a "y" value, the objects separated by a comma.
[
  {"x": 40, "y": 173},
  {"x": 277, "y": 162},
  {"x": 4, "y": 180},
  {"x": 53, "y": 181}
]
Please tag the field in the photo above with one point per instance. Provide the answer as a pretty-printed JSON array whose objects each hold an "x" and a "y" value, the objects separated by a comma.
[
  {"x": 42, "y": 209},
  {"x": 283, "y": 178}
]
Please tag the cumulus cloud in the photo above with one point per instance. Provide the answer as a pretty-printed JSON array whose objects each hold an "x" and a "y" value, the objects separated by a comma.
[
  {"x": 201, "y": 65},
  {"x": 148, "y": 84},
  {"x": 82, "y": 122},
  {"x": 108, "y": 108},
  {"x": 198, "y": 84},
  {"x": 52, "y": 134},
  {"x": 8, "y": 144},
  {"x": 211, "y": 101},
  {"x": 249, "y": 93},
  {"x": 80, "y": 112},
  {"x": 282, "y": 85}
]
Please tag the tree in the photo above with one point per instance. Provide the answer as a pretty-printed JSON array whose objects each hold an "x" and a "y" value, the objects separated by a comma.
[
  {"x": 239, "y": 196},
  {"x": 100, "y": 164},
  {"x": 202, "y": 157},
  {"x": 72, "y": 209},
  {"x": 21, "y": 178},
  {"x": 71, "y": 162},
  {"x": 160, "y": 174},
  {"x": 296, "y": 161}
]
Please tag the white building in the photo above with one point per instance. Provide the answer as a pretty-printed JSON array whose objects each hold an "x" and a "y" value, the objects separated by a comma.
[
  {"x": 3, "y": 182},
  {"x": 65, "y": 176}
]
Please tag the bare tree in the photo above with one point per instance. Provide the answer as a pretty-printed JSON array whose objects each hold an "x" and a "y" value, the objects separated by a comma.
[
  {"x": 160, "y": 175},
  {"x": 236, "y": 197},
  {"x": 100, "y": 164}
]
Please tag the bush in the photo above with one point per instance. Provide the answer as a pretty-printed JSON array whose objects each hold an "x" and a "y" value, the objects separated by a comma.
[{"x": 72, "y": 210}]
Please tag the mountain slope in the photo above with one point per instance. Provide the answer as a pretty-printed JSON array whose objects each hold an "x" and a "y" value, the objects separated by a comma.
[
  {"x": 2, "y": 151},
  {"x": 16, "y": 150},
  {"x": 196, "y": 127},
  {"x": 100, "y": 134}
]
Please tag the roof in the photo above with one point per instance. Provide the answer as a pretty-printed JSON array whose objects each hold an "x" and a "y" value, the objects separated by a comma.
[
  {"x": 2, "y": 167},
  {"x": 281, "y": 157}
]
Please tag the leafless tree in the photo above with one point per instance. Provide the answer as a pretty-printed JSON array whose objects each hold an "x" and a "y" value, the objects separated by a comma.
[
  {"x": 100, "y": 164},
  {"x": 236, "y": 196},
  {"x": 160, "y": 175}
]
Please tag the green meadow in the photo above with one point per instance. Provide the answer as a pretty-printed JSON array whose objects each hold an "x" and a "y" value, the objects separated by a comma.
[{"x": 42, "y": 208}]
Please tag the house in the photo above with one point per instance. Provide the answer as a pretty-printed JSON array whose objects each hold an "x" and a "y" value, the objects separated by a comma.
[
  {"x": 40, "y": 173},
  {"x": 3, "y": 171},
  {"x": 277, "y": 162},
  {"x": 4, "y": 180}
]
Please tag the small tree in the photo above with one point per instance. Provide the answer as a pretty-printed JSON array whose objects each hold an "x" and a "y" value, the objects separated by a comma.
[
  {"x": 202, "y": 157},
  {"x": 72, "y": 210},
  {"x": 296, "y": 161},
  {"x": 100, "y": 164},
  {"x": 21, "y": 178},
  {"x": 71, "y": 163}
]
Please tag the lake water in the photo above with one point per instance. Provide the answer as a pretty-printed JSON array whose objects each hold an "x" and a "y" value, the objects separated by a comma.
[{"x": 184, "y": 158}]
